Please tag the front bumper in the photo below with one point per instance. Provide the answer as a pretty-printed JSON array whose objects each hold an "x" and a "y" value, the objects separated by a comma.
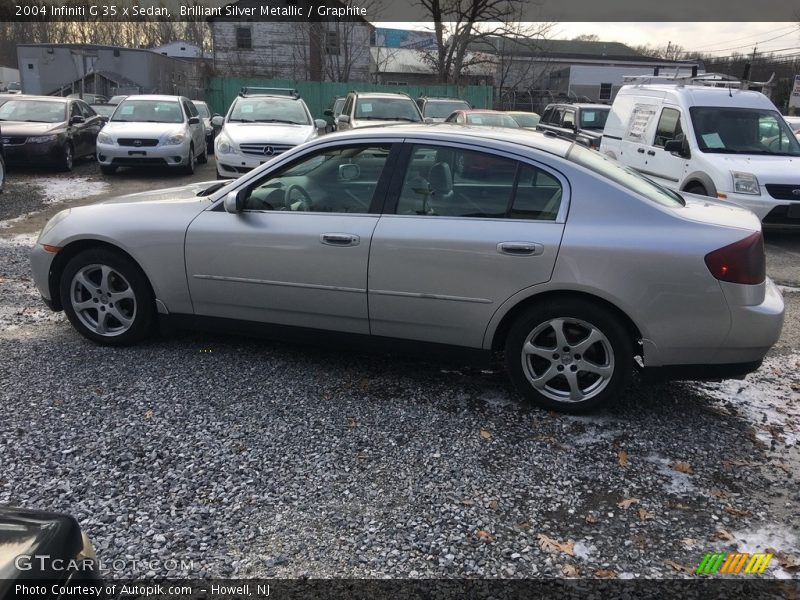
[
  {"x": 761, "y": 205},
  {"x": 29, "y": 153},
  {"x": 41, "y": 262},
  {"x": 235, "y": 164},
  {"x": 131, "y": 156}
]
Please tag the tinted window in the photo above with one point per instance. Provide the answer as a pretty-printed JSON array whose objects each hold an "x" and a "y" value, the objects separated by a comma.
[
  {"x": 452, "y": 182},
  {"x": 668, "y": 128},
  {"x": 148, "y": 111},
  {"x": 741, "y": 131},
  {"x": 547, "y": 117},
  {"x": 340, "y": 180},
  {"x": 438, "y": 109}
]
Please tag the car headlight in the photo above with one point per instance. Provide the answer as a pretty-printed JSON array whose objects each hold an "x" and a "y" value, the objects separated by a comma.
[
  {"x": 41, "y": 139},
  {"x": 175, "y": 139},
  {"x": 224, "y": 145},
  {"x": 745, "y": 183},
  {"x": 104, "y": 138}
]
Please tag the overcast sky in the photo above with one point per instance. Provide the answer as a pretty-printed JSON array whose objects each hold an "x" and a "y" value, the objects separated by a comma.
[{"x": 716, "y": 38}]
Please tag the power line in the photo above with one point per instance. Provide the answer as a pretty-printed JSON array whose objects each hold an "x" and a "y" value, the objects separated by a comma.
[
  {"x": 751, "y": 44},
  {"x": 746, "y": 37}
]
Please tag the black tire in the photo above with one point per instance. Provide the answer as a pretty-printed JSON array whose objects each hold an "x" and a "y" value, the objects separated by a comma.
[
  {"x": 67, "y": 160},
  {"x": 696, "y": 188},
  {"x": 613, "y": 354},
  {"x": 125, "y": 279},
  {"x": 203, "y": 158},
  {"x": 108, "y": 169},
  {"x": 2, "y": 173},
  {"x": 188, "y": 169}
]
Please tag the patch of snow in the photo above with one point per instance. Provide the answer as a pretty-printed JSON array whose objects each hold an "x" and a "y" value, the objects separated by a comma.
[
  {"x": 772, "y": 537},
  {"x": 582, "y": 551},
  {"x": 496, "y": 399},
  {"x": 768, "y": 398},
  {"x": 595, "y": 436},
  {"x": 678, "y": 483},
  {"x": 11, "y": 222},
  {"x": 787, "y": 289},
  {"x": 57, "y": 189}
]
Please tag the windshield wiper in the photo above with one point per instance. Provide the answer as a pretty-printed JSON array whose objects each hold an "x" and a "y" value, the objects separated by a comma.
[
  {"x": 279, "y": 121},
  {"x": 239, "y": 121}
]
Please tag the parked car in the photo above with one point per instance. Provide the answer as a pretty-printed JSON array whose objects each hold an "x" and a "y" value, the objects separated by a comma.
[
  {"x": 44, "y": 130},
  {"x": 261, "y": 123},
  {"x": 332, "y": 113},
  {"x": 794, "y": 124},
  {"x": 583, "y": 123},
  {"x": 104, "y": 110},
  {"x": 39, "y": 547},
  {"x": 90, "y": 98},
  {"x": 436, "y": 109},
  {"x": 210, "y": 130},
  {"x": 369, "y": 109},
  {"x": 729, "y": 144},
  {"x": 578, "y": 268},
  {"x": 116, "y": 99},
  {"x": 14, "y": 87},
  {"x": 483, "y": 117},
  {"x": 163, "y": 131},
  {"x": 526, "y": 120}
]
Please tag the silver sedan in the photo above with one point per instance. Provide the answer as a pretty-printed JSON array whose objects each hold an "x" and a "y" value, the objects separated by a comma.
[{"x": 578, "y": 269}]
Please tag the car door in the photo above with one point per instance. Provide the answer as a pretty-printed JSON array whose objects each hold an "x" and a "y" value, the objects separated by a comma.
[
  {"x": 454, "y": 245},
  {"x": 297, "y": 253},
  {"x": 80, "y": 144},
  {"x": 92, "y": 126},
  {"x": 664, "y": 167},
  {"x": 634, "y": 143}
]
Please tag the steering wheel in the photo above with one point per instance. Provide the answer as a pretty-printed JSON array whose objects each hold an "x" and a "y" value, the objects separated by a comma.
[{"x": 305, "y": 201}]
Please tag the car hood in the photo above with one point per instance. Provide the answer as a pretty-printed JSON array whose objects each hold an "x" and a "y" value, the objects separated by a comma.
[
  {"x": 268, "y": 133},
  {"x": 18, "y": 128},
  {"x": 28, "y": 532},
  {"x": 142, "y": 130},
  {"x": 184, "y": 193},
  {"x": 768, "y": 169}
]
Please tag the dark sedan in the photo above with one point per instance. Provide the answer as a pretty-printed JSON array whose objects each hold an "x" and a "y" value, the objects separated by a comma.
[
  {"x": 42, "y": 548},
  {"x": 42, "y": 130}
]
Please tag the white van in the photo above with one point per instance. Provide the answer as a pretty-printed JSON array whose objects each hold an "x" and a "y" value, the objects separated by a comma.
[{"x": 725, "y": 143}]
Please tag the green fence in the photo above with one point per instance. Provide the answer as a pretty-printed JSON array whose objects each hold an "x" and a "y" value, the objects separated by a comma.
[{"x": 317, "y": 94}]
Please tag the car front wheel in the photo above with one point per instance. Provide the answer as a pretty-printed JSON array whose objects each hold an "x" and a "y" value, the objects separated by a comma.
[
  {"x": 67, "y": 158},
  {"x": 107, "y": 298},
  {"x": 569, "y": 355},
  {"x": 188, "y": 168}
]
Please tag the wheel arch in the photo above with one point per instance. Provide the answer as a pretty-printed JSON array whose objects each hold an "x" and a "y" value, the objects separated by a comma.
[
  {"x": 703, "y": 179},
  {"x": 504, "y": 326},
  {"x": 71, "y": 250}
]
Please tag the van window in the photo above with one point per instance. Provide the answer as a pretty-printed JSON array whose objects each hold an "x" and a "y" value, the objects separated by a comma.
[
  {"x": 569, "y": 119},
  {"x": 669, "y": 127},
  {"x": 641, "y": 116},
  {"x": 611, "y": 169},
  {"x": 742, "y": 131}
]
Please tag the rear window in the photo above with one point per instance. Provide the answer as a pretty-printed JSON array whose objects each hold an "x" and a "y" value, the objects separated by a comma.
[
  {"x": 624, "y": 176},
  {"x": 437, "y": 109}
]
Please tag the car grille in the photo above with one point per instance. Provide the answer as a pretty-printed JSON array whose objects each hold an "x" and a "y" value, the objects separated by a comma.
[
  {"x": 784, "y": 192},
  {"x": 138, "y": 142},
  {"x": 13, "y": 141},
  {"x": 786, "y": 214},
  {"x": 133, "y": 161},
  {"x": 264, "y": 149}
]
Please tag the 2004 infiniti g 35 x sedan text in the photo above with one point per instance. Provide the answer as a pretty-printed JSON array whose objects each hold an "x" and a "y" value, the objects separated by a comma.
[{"x": 570, "y": 263}]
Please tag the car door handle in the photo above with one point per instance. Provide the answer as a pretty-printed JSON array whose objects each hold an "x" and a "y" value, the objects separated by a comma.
[
  {"x": 651, "y": 153},
  {"x": 640, "y": 150},
  {"x": 339, "y": 239},
  {"x": 520, "y": 248}
]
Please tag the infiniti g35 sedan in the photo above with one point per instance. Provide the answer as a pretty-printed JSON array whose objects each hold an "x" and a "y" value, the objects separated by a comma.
[{"x": 576, "y": 268}]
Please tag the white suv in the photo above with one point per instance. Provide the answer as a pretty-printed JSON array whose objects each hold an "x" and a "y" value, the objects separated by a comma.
[
  {"x": 261, "y": 124},
  {"x": 729, "y": 144}
]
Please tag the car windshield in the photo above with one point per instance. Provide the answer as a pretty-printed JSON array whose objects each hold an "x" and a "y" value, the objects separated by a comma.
[
  {"x": 611, "y": 169},
  {"x": 742, "y": 131},
  {"x": 437, "y": 109},
  {"x": 594, "y": 118},
  {"x": 34, "y": 111},
  {"x": 148, "y": 111},
  {"x": 269, "y": 110},
  {"x": 492, "y": 119},
  {"x": 14, "y": 86},
  {"x": 202, "y": 108},
  {"x": 387, "y": 109},
  {"x": 104, "y": 110},
  {"x": 527, "y": 119}
]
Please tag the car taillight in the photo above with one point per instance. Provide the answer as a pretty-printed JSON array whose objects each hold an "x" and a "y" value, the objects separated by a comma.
[{"x": 741, "y": 262}]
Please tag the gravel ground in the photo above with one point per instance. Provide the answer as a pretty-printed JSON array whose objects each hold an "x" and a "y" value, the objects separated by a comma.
[{"x": 252, "y": 458}]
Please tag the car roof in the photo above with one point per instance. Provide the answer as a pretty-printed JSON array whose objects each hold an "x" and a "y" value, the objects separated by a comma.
[
  {"x": 579, "y": 105},
  {"x": 457, "y": 133},
  {"x": 699, "y": 95},
  {"x": 384, "y": 95}
]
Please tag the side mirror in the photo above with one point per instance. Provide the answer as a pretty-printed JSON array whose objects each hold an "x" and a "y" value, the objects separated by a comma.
[
  {"x": 328, "y": 112},
  {"x": 349, "y": 172},
  {"x": 678, "y": 148},
  {"x": 217, "y": 121},
  {"x": 234, "y": 201},
  {"x": 76, "y": 119},
  {"x": 344, "y": 118},
  {"x": 194, "y": 120},
  {"x": 320, "y": 123}
]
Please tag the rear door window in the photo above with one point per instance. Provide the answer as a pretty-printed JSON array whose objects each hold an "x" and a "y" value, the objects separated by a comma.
[{"x": 668, "y": 128}]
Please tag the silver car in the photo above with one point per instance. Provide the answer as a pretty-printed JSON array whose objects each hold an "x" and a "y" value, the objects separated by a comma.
[
  {"x": 577, "y": 268},
  {"x": 151, "y": 130}
]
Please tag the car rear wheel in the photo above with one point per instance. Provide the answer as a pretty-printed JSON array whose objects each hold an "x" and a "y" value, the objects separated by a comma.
[
  {"x": 67, "y": 158},
  {"x": 2, "y": 173},
  {"x": 107, "y": 298},
  {"x": 569, "y": 355}
]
